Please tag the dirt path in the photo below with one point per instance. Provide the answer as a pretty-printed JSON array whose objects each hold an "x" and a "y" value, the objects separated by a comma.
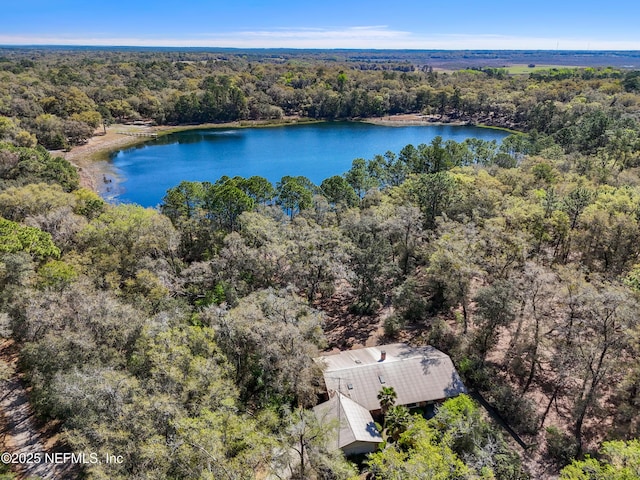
[{"x": 19, "y": 433}]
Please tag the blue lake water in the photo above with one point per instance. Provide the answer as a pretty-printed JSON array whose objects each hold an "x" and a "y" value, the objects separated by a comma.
[{"x": 317, "y": 151}]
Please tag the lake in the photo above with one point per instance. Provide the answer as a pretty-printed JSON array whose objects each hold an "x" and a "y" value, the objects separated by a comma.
[{"x": 317, "y": 151}]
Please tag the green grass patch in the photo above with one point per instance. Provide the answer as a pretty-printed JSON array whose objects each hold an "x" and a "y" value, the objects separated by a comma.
[{"x": 526, "y": 69}]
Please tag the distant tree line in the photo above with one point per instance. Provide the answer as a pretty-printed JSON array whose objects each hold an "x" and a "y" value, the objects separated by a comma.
[{"x": 61, "y": 99}]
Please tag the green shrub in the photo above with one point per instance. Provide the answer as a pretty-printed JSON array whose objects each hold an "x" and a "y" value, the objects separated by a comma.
[
  {"x": 560, "y": 446},
  {"x": 392, "y": 326},
  {"x": 519, "y": 412}
]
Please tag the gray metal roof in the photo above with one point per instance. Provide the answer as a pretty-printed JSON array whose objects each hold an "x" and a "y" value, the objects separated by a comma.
[
  {"x": 356, "y": 423},
  {"x": 418, "y": 374}
]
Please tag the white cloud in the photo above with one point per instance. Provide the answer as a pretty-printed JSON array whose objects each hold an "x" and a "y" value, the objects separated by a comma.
[{"x": 377, "y": 37}]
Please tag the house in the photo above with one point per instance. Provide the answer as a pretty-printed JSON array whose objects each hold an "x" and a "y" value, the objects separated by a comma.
[
  {"x": 357, "y": 432},
  {"x": 419, "y": 375}
]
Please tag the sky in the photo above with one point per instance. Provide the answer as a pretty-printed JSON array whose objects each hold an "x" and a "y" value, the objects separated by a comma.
[{"x": 391, "y": 24}]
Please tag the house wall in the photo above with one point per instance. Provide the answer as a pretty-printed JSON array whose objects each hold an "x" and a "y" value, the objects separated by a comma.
[{"x": 358, "y": 448}]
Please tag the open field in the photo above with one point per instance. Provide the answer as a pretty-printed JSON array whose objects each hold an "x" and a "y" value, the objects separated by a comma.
[
  {"x": 438, "y": 59},
  {"x": 526, "y": 69}
]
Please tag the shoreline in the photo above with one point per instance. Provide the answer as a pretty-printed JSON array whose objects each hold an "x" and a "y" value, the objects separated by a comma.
[
  {"x": 416, "y": 119},
  {"x": 412, "y": 119},
  {"x": 92, "y": 159},
  {"x": 98, "y": 174}
]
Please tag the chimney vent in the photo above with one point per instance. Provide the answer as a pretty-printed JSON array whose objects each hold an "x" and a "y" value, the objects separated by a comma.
[{"x": 383, "y": 356}]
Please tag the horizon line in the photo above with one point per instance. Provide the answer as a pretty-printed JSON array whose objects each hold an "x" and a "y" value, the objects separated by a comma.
[{"x": 211, "y": 47}]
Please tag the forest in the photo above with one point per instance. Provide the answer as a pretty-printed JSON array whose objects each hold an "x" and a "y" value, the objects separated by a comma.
[{"x": 183, "y": 338}]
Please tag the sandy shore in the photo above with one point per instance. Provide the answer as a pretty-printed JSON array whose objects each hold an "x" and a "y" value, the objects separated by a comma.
[
  {"x": 410, "y": 119},
  {"x": 92, "y": 158}
]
